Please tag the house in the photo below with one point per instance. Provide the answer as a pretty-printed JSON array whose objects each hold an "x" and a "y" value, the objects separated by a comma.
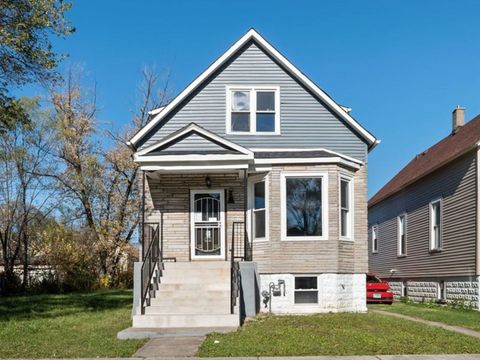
[
  {"x": 255, "y": 197},
  {"x": 423, "y": 224}
]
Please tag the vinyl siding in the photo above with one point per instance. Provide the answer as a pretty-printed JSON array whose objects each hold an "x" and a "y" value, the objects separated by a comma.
[
  {"x": 455, "y": 183},
  {"x": 305, "y": 122}
]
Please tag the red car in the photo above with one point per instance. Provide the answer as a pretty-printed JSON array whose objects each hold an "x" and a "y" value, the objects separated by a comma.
[{"x": 378, "y": 291}]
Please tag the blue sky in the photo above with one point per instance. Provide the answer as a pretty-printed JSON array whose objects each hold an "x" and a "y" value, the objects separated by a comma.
[{"x": 401, "y": 65}]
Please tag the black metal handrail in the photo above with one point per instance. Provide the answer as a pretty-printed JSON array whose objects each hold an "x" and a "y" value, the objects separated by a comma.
[
  {"x": 241, "y": 250},
  {"x": 151, "y": 259}
]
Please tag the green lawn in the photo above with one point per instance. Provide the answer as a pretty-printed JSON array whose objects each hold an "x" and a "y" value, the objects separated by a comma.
[
  {"x": 335, "y": 334},
  {"x": 73, "y": 325},
  {"x": 459, "y": 317}
]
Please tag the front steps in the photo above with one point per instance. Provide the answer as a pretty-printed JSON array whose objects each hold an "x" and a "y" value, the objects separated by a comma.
[{"x": 190, "y": 295}]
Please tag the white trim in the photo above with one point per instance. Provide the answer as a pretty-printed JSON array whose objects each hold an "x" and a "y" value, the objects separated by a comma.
[
  {"x": 330, "y": 160},
  {"x": 283, "y": 204},
  {"x": 252, "y": 34},
  {"x": 307, "y": 150},
  {"x": 430, "y": 232},
  {"x": 200, "y": 130},
  {"x": 253, "y": 89},
  {"x": 193, "y": 167},
  {"x": 252, "y": 180},
  {"x": 190, "y": 157},
  {"x": 222, "y": 225},
  {"x": 374, "y": 230},
  {"x": 351, "y": 210},
  {"x": 404, "y": 229}
]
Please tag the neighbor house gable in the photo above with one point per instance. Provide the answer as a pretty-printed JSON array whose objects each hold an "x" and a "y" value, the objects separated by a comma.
[{"x": 309, "y": 117}]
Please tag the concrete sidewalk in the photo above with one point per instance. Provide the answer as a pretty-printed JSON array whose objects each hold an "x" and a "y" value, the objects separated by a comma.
[{"x": 457, "y": 329}]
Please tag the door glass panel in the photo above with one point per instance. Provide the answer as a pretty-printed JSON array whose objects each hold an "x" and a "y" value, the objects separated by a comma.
[{"x": 207, "y": 224}]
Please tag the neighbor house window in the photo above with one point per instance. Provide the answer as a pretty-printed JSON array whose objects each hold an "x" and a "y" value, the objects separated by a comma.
[
  {"x": 345, "y": 207},
  {"x": 374, "y": 239},
  {"x": 259, "y": 211},
  {"x": 436, "y": 225},
  {"x": 402, "y": 235},
  {"x": 306, "y": 290},
  {"x": 303, "y": 204},
  {"x": 253, "y": 110}
]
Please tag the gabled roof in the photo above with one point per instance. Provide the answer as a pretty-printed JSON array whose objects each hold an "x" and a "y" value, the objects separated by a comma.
[
  {"x": 190, "y": 130},
  {"x": 295, "y": 72},
  {"x": 466, "y": 138}
]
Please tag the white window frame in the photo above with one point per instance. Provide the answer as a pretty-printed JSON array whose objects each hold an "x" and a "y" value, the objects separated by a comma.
[
  {"x": 374, "y": 239},
  {"x": 399, "y": 238},
  {"x": 251, "y": 199},
  {"x": 253, "y": 108},
  {"x": 432, "y": 246},
  {"x": 350, "y": 215},
  {"x": 317, "y": 290},
  {"x": 283, "y": 204},
  {"x": 441, "y": 293}
]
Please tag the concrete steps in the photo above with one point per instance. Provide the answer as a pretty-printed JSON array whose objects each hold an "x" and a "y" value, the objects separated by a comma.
[{"x": 190, "y": 294}]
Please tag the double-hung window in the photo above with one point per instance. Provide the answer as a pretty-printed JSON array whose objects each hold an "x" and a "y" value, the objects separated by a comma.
[
  {"x": 374, "y": 239},
  {"x": 436, "y": 225},
  {"x": 306, "y": 290},
  {"x": 259, "y": 211},
  {"x": 346, "y": 208},
  {"x": 304, "y": 206},
  {"x": 253, "y": 110},
  {"x": 402, "y": 235}
]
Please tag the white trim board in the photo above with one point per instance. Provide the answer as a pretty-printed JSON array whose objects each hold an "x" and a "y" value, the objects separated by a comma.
[
  {"x": 196, "y": 129},
  {"x": 254, "y": 35}
]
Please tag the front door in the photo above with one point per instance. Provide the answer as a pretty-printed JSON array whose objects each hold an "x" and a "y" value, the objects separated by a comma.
[{"x": 207, "y": 224}]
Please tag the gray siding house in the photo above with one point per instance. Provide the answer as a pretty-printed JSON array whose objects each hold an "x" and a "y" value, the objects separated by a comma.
[
  {"x": 423, "y": 224},
  {"x": 255, "y": 197}
]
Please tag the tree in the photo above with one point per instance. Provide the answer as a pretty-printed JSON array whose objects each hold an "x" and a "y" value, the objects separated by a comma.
[
  {"x": 25, "y": 197},
  {"x": 101, "y": 182},
  {"x": 26, "y": 54}
]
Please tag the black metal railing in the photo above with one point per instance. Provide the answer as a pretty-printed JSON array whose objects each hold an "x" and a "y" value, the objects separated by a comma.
[
  {"x": 152, "y": 259},
  {"x": 241, "y": 250}
]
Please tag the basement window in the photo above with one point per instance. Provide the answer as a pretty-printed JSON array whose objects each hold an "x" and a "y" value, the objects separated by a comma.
[{"x": 306, "y": 290}]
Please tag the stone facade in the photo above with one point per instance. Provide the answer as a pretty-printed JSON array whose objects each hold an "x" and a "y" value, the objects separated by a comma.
[
  {"x": 464, "y": 290},
  {"x": 337, "y": 293}
]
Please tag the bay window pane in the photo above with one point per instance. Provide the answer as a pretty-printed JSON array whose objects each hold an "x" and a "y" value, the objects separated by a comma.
[
  {"x": 241, "y": 101},
  {"x": 304, "y": 206},
  {"x": 241, "y": 121},
  {"x": 265, "y": 101},
  {"x": 259, "y": 218},
  {"x": 266, "y": 122},
  {"x": 259, "y": 195},
  {"x": 344, "y": 194}
]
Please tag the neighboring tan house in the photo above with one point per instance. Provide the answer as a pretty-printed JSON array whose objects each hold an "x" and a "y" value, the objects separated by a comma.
[
  {"x": 423, "y": 224},
  {"x": 255, "y": 197}
]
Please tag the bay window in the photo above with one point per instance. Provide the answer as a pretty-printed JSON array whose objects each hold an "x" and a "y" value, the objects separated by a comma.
[
  {"x": 346, "y": 208},
  {"x": 303, "y": 202}
]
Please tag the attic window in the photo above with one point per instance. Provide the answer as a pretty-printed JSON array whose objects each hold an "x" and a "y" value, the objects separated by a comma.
[{"x": 253, "y": 110}]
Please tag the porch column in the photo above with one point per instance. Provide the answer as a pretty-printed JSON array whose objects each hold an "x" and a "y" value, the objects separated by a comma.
[
  {"x": 143, "y": 215},
  {"x": 246, "y": 255}
]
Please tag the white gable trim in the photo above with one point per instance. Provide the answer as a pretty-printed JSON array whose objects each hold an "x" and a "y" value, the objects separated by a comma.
[
  {"x": 197, "y": 129},
  {"x": 252, "y": 34}
]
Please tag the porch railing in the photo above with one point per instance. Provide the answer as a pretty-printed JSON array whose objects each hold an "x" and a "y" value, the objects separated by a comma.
[
  {"x": 241, "y": 250},
  {"x": 152, "y": 260}
]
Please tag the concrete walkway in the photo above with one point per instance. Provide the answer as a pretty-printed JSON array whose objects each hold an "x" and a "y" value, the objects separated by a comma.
[
  {"x": 170, "y": 347},
  {"x": 373, "y": 357},
  {"x": 457, "y": 329}
]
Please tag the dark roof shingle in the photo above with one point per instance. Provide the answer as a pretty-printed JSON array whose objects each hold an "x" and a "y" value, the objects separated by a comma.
[{"x": 446, "y": 150}]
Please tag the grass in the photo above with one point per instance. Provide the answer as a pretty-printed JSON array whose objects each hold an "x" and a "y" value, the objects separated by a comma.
[
  {"x": 459, "y": 317},
  {"x": 72, "y": 325},
  {"x": 335, "y": 334}
]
